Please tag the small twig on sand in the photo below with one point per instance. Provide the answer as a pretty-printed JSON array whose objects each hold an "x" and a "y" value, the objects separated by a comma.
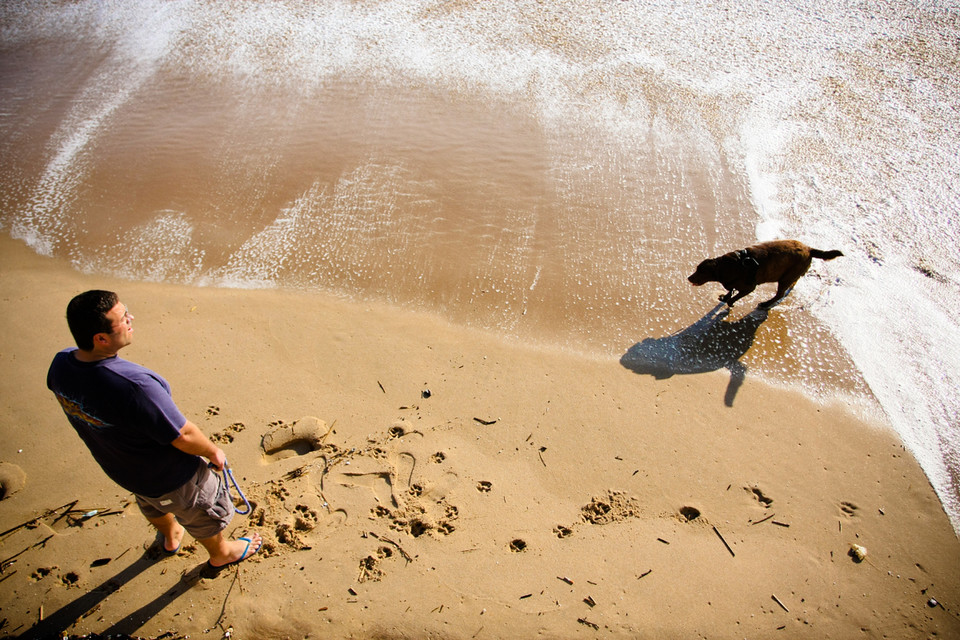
[
  {"x": 323, "y": 439},
  {"x": 5, "y": 563},
  {"x": 586, "y": 622},
  {"x": 724, "y": 542},
  {"x": 782, "y": 606},
  {"x": 69, "y": 509},
  {"x": 48, "y": 513},
  {"x": 223, "y": 609}
]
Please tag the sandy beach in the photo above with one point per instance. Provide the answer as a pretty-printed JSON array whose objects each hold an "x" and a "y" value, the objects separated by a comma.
[{"x": 416, "y": 479}]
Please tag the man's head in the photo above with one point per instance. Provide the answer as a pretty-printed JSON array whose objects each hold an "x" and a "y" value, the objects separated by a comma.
[{"x": 98, "y": 319}]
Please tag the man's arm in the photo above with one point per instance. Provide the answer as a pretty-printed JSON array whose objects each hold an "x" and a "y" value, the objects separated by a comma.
[{"x": 192, "y": 441}]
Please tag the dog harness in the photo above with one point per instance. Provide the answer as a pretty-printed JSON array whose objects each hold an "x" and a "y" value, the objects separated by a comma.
[{"x": 748, "y": 261}]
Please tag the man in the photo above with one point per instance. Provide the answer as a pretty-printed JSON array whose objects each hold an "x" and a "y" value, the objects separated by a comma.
[{"x": 126, "y": 416}]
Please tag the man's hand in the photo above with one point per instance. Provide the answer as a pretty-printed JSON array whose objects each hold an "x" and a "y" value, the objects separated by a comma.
[{"x": 218, "y": 459}]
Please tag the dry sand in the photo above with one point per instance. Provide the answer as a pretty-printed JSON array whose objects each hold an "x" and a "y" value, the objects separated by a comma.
[{"x": 533, "y": 493}]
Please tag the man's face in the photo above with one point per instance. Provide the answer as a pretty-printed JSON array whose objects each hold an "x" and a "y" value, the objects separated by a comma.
[{"x": 122, "y": 322}]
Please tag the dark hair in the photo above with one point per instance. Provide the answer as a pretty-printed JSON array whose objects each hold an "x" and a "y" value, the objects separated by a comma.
[{"x": 87, "y": 316}]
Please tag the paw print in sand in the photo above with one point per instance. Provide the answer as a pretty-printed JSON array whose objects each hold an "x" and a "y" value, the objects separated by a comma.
[
  {"x": 226, "y": 436},
  {"x": 615, "y": 506}
]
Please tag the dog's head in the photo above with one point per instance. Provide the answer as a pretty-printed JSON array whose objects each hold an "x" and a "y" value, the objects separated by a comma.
[{"x": 706, "y": 272}]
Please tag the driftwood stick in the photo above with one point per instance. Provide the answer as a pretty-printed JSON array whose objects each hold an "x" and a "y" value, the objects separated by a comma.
[
  {"x": 782, "y": 606},
  {"x": 587, "y": 623},
  {"x": 223, "y": 609},
  {"x": 5, "y": 563},
  {"x": 48, "y": 513},
  {"x": 765, "y": 519},
  {"x": 724, "y": 542},
  {"x": 69, "y": 509}
]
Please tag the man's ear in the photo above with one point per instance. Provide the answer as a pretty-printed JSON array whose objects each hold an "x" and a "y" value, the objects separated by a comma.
[{"x": 101, "y": 338}]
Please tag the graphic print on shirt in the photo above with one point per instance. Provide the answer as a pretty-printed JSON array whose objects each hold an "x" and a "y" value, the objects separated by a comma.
[{"x": 74, "y": 410}]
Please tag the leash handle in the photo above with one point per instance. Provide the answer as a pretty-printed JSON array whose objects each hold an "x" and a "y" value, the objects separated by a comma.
[{"x": 228, "y": 479}]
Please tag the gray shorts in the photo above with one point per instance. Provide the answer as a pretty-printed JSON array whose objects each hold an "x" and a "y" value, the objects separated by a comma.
[{"x": 201, "y": 505}]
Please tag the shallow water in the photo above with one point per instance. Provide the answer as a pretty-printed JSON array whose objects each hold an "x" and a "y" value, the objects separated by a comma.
[{"x": 551, "y": 172}]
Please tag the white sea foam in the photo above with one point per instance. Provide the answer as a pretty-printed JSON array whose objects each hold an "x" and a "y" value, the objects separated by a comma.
[
  {"x": 867, "y": 169},
  {"x": 137, "y": 38}
]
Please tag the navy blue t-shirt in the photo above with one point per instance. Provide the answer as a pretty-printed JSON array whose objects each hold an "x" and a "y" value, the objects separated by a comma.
[{"x": 125, "y": 415}]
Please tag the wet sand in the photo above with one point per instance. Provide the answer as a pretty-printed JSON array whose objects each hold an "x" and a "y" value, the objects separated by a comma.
[
  {"x": 448, "y": 200},
  {"x": 534, "y": 492}
]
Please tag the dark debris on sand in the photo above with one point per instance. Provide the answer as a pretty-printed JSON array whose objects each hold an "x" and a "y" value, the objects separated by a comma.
[{"x": 121, "y": 636}]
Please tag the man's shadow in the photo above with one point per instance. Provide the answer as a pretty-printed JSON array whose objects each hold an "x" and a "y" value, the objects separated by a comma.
[
  {"x": 709, "y": 344},
  {"x": 54, "y": 625}
]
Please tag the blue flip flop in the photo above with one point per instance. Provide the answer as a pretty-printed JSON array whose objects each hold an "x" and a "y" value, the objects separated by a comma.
[
  {"x": 163, "y": 550},
  {"x": 243, "y": 557}
]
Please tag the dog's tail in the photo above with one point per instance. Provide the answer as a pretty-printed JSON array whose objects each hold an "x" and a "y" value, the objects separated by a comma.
[{"x": 825, "y": 255}]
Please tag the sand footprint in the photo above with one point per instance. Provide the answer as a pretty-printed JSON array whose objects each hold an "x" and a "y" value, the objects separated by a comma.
[
  {"x": 12, "y": 479},
  {"x": 378, "y": 482},
  {"x": 370, "y": 567},
  {"x": 297, "y": 439},
  {"x": 518, "y": 545},
  {"x": 615, "y": 506},
  {"x": 563, "y": 531},
  {"x": 403, "y": 465},
  {"x": 226, "y": 436},
  {"x": 760, "y": 496},
  {"x": 689, "y": 514},
  {"x": 387, "y": 486},
  {"x": 848, "y": 508}
]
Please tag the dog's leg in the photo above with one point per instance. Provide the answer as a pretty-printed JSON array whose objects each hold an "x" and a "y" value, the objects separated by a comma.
[
  {"x": 730, "y": 299},
  {"x": 783, "y": 288},
  {"x": 786, "y": 282}
]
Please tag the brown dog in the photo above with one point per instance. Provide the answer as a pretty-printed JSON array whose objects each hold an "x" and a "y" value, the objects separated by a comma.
[{"x": 780, "y": 261}]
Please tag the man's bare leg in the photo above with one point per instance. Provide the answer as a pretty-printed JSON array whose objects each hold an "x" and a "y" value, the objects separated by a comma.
[
  {"x": 171, "y": 531},
  {"x": 223, "y": 551}
]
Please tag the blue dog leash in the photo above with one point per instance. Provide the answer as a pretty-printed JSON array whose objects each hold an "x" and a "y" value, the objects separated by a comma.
[{"x": 228, "y": 479}]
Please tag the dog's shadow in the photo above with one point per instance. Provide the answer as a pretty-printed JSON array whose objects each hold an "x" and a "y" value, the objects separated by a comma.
[{"x": 709, "y": 344}]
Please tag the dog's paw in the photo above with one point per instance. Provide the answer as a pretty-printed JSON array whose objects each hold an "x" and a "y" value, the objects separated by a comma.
[{"x": 769, "y": 304}]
